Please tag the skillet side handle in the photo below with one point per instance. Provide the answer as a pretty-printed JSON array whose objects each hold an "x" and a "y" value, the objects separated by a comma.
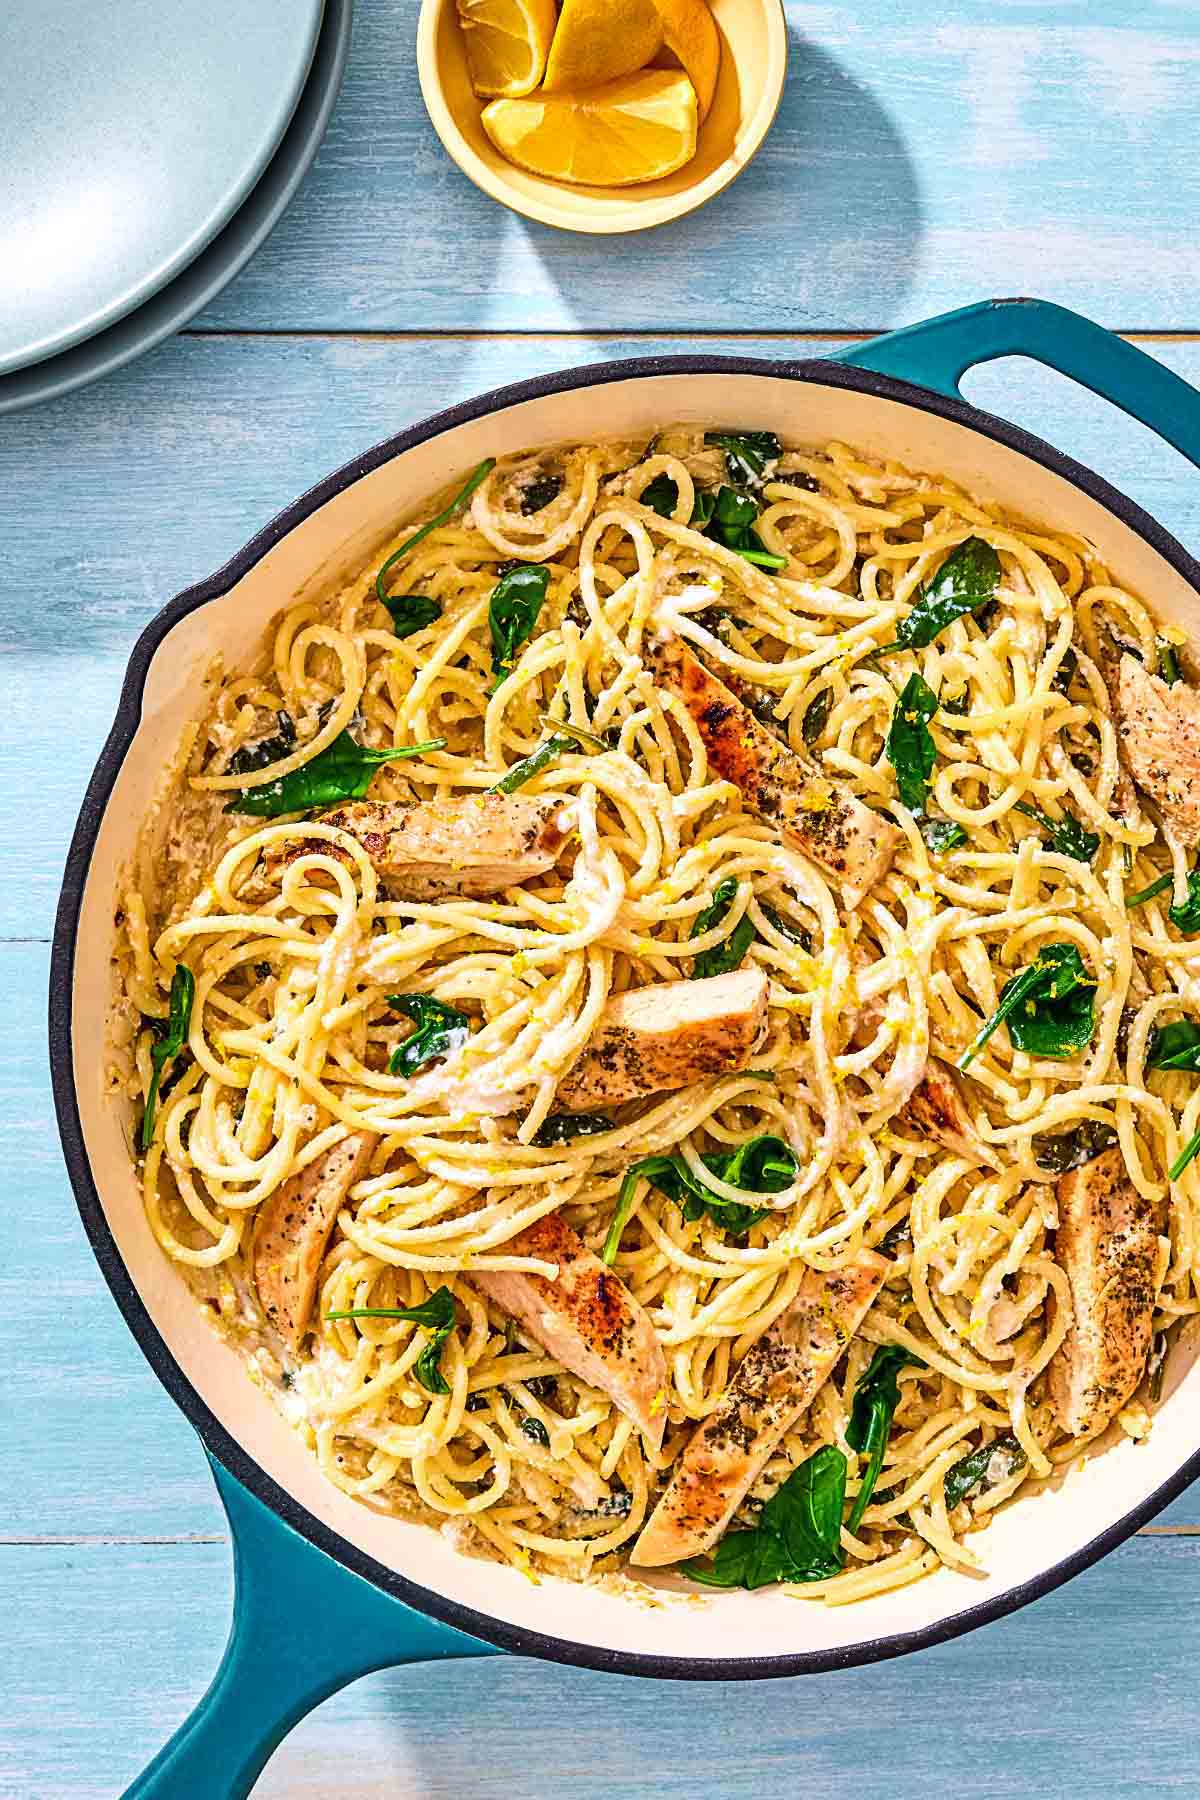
[
  {"x": 303, "y": 1627},
  {"x": 938, "y": 353}
]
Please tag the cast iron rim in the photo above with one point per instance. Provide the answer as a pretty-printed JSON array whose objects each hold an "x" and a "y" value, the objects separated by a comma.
[{"x": 519, "y": 1639}]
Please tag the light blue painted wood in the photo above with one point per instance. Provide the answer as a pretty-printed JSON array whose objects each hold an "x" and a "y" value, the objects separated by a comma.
[
  {"x": 1091, "y": 1692},
  {"x": 172, "y": 464},
  {"x": 921, "y": 159}
]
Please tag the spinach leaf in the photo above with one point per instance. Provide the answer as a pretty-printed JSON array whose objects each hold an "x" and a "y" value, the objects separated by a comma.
[
  {"x": 538, "y": 493},
  {"x": 982, "y": 1469},
  {"x": 561, "y": 1128},
  {"x": 798, "y": 1536},
  {"x": 1066, "y": 671},
  {"x": 1058, "y": 1151},
  {"x": 909, "y": 746},
  {"x": 816, "y": 715},
  {"x": 732, "y": 524},
  {"x": 342, "y": 771},
  {"x": 171, "y": 1042},
  {"x": 533, "y": 764},
  {"x": 535, "y": 1431},
  {"x": 436, "y": 1314},
  {"x": 266, "y": 751},
  {"x": 1066, "y": 834},
  {"x": 747, "y": 453},
  {"x": 661, "y": 495},
  {"x": 942, "y": 835},
  {"x": 703, "y": 507},
  {"x": 586, "y": 740},
  {"x": 722, "y": 957},
  {"x": 1175, "y": 1046},
  {"x": 966, "y": 581},
  {"x": 1190, "y": 1150},
  {"x": 1168, "y": 662},
  {"x": 440, "y": 1030},
  {"x": 412, "y": 612},
  {"x": 513, "y": 612},
  {"x": 1156, "y": 1364},
  {"x": 1186, "y": 918},
  {"x": 763, "y": 1165},
  {"x": 1048, "y": 1006},
  {"x": 875, "y": 1401},
  {"x": 474, "y": 480},
  {"x": 795, "y": 934}
]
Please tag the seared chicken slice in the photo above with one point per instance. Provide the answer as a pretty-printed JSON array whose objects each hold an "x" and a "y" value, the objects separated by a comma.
[
  {"x": 474, "y": 846},
  {"x": 936, "y": 1109},
  {"x": 1108, "y": 1245},
  {"x": 292, "y": 1230},
  {"x": 667, "y": 1035},
  {"x": 814, "y": 813},
  {"x": 1159, "y": 735},
  {"x": 775, "y": 1382},
  {"x": 586, "y": 1319}
]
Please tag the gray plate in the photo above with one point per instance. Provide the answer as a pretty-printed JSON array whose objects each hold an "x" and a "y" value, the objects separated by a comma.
[
  {"x": 204, "y": 277},
  {"x": 129, "y": 135}
]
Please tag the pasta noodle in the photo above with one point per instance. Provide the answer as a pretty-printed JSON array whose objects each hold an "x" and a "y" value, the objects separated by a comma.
[{"x": 295, "y": 942}]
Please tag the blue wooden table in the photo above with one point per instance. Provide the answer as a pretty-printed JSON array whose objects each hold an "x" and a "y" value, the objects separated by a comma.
[{"x": 923, "y": 158}]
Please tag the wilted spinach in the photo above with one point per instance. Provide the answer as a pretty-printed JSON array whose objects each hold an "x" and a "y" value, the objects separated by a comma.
[
  {"x": 1175, "y": 1046},
  {"x": 535, "y": 1431},
  {"x": 539, "y": 492},
  {"x": 1049, "y": 1007},
  {"x": 440, "y": 1030},
  {"x": 798, "y": 1535},
  {"x": 816, "y": 715},
  {"x": 412, "y": 612},
  {"x": 1066, "y": 834},
  {"x": 762, "y": 1165},
  {"x": 252, "y": 757},
  {"x": 1168, "y": 662},
  {"x": 1058, "y": 1151},
  {"x": 533, "y": 764},
  {"x": 747, "y": 453},
  {"x": 516, "y": 601},
  {"x": 795, "y": 934},
  {"x": 942, "y": 835},
  {"x": 964, "y": 583},
  {"x": 982, "y": 1469},
  {"x": 477, "y": 476},
  {"x": 562, "y": 1128},
  {"x": 436, "y": 1314},
  {"x": 875, "y": 1401},
  {"x": 727, "y": 955},
  {"x": 174, "y": 1036},
  {"x": 909, "y": 747},
  {"x": 1185, "y": 918},
  {"x": 342, "y": 771}
]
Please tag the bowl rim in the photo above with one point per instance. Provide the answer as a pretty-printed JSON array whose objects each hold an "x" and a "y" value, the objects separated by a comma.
[
  {"x": 239, "y": 1460},
  {"x": 643, "y": 218}
]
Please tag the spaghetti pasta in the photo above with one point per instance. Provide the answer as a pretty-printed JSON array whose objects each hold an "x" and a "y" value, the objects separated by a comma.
[{"x": 296, "y": 940}]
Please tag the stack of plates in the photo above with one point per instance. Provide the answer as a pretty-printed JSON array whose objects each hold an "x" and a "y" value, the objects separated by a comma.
[{"x": 148, "y": 147}]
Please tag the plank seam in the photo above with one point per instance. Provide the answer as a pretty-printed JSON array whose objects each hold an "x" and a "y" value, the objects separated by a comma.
[{"x": 783, "y": 334}]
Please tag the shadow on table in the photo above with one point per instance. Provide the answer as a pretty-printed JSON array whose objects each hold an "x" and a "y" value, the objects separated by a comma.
[{"x": 821, "y": 232}]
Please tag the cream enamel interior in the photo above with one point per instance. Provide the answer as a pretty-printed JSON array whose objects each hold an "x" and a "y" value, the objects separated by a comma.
[{"x": 1028, "y": 1538}]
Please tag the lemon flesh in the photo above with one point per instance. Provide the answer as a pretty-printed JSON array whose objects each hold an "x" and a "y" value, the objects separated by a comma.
[
  {"x": 691, "y": 36},
  {"x": 601, "y": 40},
  {"x": 507, "y": 42},
  {"x": 635, "y": 129}
]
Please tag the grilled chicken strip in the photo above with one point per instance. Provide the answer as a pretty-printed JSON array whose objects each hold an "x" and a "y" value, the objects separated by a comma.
[
  {"x": 667, "y": 1035},
  {"x": 586, "y": 1319},
  {"x": 1108, "y": 1244},
  {"x": 474, "y": 846},
  {"x": 936, "y": 1109},
  {"x": 1159, "y": 735},
  {"x": 775, "y": 1382},
  {"x": 815, "y": 814},
  {"x": 293, "y": 1228}
]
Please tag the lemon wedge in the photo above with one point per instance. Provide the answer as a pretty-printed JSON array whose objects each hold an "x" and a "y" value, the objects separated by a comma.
[
  {"x": 627, "y": 131},
  {"x": 601, "y": 40},
  {"x": 691, "y": 36},
  {"x": 508, "y": 42}
]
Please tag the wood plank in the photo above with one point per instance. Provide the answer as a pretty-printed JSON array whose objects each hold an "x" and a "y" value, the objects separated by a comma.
[
  {"x": 917, "y": 162},
  {"x": 102, "y": 1451},
  {"x": 135, "y": 488},
  {"x": 115, "y": 1645}
]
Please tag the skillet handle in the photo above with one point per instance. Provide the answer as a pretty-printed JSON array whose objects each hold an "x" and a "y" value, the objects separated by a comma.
[
  {"x": 303, "y": 1627},
  {"x": 938, "y": 353}
]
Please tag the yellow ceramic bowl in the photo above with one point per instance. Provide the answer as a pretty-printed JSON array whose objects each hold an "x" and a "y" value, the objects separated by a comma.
[{"x": 753, "y": 63}]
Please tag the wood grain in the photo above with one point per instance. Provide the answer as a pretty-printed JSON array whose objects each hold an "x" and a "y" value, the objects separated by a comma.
[
  {"x": 920, "y": 159},
  {"x": 1089, "y": 1692}
]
